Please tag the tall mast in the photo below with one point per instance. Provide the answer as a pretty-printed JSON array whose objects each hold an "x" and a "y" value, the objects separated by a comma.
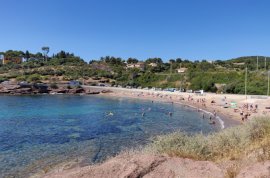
[
  {"x": 246, "y": 84},
  {"x": 268, "y": 74}
]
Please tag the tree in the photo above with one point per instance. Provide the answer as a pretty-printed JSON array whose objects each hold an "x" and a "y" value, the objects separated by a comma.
[
  {"x": 61, "y": 54},
  {"x": 27, "y": 55},
  {"x": 154, "y": 60},
  {"x": 38, "y": 55},
  {"x": 132, "y": 60},
  {"x": 11, "y": 53},
  {"x": 45, "y": 50},
  {"x": 178, "y": 60},
  {"x": 172, "y": 61}
]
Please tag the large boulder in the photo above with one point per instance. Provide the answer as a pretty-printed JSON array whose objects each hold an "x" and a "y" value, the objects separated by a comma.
[{"x": 76, "y": 90}]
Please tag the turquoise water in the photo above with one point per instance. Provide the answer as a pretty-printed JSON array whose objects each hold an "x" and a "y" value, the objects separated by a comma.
[{"x": 37, "y": 132}]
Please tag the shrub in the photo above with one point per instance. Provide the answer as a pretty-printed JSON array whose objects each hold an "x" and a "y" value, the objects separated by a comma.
[
  {"x": 21, "y": 78},
  {"x": 34, "y": 78},
  {"x": 229, "y": 144},
  {"x": 54, "y": 86}
]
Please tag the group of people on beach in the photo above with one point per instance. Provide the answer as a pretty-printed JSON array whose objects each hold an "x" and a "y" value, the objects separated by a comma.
[
  {"x": 198, "y": 102},
  {"x": 247, "y": 109},
  {"x": 212, "y": 117}
]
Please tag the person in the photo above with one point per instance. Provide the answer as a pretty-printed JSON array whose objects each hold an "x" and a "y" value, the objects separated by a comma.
[
  {"x": 246, "y": 116},
  {"x": 241, "y": 112},
  {"x": 215, "y": 114},
  {"x": 110, "y": 113},
  {"x": 203, "y": 115},
  {"x": 143, "y": 114}
]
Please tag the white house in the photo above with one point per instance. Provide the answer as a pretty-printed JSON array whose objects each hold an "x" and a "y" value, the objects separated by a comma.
[
  {"x": 181, "y": 70},
  {"x": 153, "y": 64}
]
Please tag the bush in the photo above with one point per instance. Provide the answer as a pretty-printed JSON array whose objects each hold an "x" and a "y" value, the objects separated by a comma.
[
  {"x": 229, "y": 144},
  {"x": 2, "y": 79},
  {"x": 34, "y": 78},
  {"x": 54, "y": 86},
  {"x": 21, "y": 78}
]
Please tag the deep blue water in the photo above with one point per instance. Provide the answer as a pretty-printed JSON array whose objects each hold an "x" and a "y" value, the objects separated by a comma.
[{"x": 37, "y": 132}]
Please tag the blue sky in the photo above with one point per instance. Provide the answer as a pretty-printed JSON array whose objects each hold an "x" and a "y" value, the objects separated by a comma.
[{"x": 193, "y": 29}]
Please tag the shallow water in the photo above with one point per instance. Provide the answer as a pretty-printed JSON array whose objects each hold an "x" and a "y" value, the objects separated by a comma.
[{"x": 37, "y": 132}]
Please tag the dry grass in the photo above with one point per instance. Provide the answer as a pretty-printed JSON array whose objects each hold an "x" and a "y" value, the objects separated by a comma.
[{"x": 251, "y": 138}]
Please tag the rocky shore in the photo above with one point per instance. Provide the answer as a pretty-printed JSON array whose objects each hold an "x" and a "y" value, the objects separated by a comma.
[
  {"x": 40, "y": 88},
  {"x": 160, "y": 166}
]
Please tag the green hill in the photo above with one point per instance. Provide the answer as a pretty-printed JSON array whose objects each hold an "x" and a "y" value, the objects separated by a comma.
[{"x": 213, "y": 76}]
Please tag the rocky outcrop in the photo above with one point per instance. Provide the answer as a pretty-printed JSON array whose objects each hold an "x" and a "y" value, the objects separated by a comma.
[
  {"x": 149, "y": 166},
  {"x": 153, "y": 166},
  {"x": 261, "y": 169},
  {"x": 15, "y": 89},
  {"x": 76, "y": 90}
]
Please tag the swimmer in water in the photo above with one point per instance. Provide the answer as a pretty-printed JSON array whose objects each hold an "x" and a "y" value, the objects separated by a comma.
[
  {"x": 170, "y": 114},
  {"x": 110, "y": 114}
]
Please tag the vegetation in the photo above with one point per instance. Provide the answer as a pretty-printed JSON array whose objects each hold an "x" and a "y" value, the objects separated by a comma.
[
  {"x": 251, "y": 138},
  {"x": 212, "y": 76}
]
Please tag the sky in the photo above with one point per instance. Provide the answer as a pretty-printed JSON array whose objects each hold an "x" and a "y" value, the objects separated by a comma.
[{"x": 189, "y": 29}]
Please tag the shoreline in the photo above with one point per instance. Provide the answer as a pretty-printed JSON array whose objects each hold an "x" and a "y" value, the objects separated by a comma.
[
  {"x": 229, "y": 115},
  {"x": 225, "y": 121},
  {"x": 221, "y": 118}
]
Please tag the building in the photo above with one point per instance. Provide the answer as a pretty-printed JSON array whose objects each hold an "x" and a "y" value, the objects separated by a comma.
[
  {"x": 152, "y": 64},
  {"x": 239, "y": 63},
  {"x": 139, "y": 65},
  {"x": 181, "y": 70},
  {"x": 16, "y": 60}
]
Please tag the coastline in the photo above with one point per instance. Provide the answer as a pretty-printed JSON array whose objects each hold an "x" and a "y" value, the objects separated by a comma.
[
  {"x": 225, "y": 120},
  {"x": 229, "y": 115}
]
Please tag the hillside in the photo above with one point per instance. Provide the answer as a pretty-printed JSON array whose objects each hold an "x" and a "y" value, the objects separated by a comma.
[{"x": 212, "y": 76}]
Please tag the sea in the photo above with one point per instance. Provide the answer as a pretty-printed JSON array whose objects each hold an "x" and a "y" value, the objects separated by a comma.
[{"x": 42, "y": 131}]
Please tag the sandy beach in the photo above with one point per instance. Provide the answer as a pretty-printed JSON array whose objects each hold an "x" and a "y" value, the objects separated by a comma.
[{"x": 232, "y": 109}]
